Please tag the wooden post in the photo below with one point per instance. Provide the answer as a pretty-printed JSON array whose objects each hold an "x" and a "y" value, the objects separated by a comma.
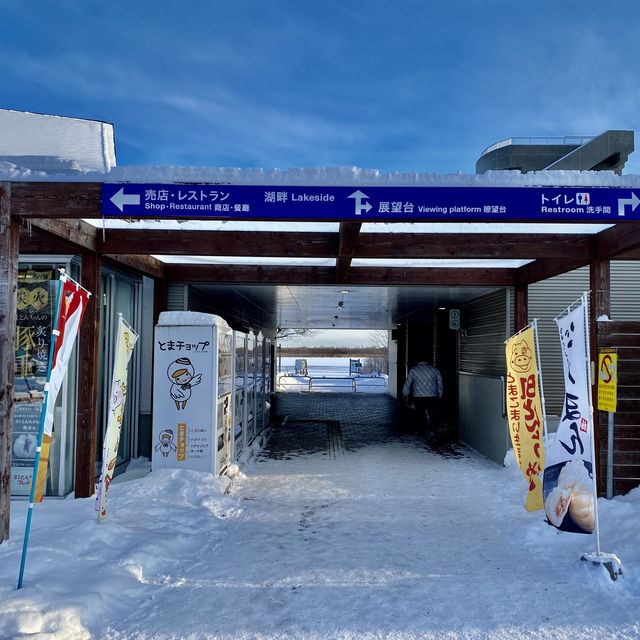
[
  {"x": 599, "y": 305},
  {"x": 87, "y": 406},
  {"x": 9, "y": 235},
  {"x": 159, "y": 298},
  {"x": 521, "y": 307}
]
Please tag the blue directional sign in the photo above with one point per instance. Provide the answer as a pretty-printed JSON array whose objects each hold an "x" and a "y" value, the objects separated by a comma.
[{"x": 371, "y": 204}]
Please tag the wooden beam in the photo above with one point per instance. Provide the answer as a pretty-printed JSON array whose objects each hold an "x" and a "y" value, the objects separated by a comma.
[
  {"x": 617, "y": 240},
  {"x": 600, "y": 285},
  {"x": 599, "y": 305},
  {"x": 521, "y": 307},
  {"x": 159, "y": 298},
  {"x": 472, "y": 245},
  {"x": 629, "y": 255},
  {"x": 218, "y": 243},
  {"x": 37, "y": 244},
  {"x": 56, "y": 237},
  {"x": 431, "y": 276},
  {"x": 371, "y": 276},
  {"x": 75, "y": 233},
  {"x": 365, "y": 245},
  {"x": 249, "y": 274},
  {"x": 57, "y": 199},
  {"x": 543, "y": 269},
  {"x": 145, "y": 265},
  {"x": 8, "y": 285},
  {"x": 348, "y": 233},
  {"x": 87, "y": 402}
]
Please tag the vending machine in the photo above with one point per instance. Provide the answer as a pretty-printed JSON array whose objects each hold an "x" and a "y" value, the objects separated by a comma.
[
  {"x": 250, "y": 395},
  {"x": 268, "y": 381},
  {"x": 239, "y": 393},
  {"x": 192, "y": 392},
  {"x": 259, "y": 421}
]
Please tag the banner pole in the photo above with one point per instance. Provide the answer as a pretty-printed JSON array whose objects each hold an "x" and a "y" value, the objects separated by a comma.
[
  {"x": 43, "y": 413},
  {"x": 544, "y": 408},
  {"x": 594, "y": 462},
  {"x": 518, "y": 332},
  {"x": 610, "y": 455}
]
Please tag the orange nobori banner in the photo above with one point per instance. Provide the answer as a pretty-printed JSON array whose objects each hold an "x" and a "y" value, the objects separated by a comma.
[{"x": 525, "y": 413}]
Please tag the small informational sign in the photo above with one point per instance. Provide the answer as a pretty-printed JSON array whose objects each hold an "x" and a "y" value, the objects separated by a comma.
[
  {"x": 183, "y": 391},
  {"x": 607, "y": 380},
  {"x": 26, "y": 423},
  {"x": 355, "y": 366},
  {"x": 454, "y": 319}
]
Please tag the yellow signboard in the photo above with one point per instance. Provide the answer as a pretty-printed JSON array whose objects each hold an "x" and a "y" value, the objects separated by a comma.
[{"x": 607, "y": 380}]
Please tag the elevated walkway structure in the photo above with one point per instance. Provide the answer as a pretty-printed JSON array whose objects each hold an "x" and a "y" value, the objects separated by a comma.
[{"x": 606, "y": 151}]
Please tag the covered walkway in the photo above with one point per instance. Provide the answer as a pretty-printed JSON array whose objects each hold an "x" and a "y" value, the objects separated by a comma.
[{"x": 333, "y": 423}]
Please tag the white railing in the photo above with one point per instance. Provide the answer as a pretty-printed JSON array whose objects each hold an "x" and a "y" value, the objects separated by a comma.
[{"x": 352, "y": 384}]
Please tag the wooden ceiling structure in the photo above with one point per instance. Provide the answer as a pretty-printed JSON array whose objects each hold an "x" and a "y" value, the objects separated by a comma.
[
  {"x": 51, "y": 221},
  {"x": 47, "y": 218}
]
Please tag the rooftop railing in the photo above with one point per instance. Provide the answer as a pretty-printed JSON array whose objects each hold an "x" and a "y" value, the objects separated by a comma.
[{"x": 564, "y": 140}]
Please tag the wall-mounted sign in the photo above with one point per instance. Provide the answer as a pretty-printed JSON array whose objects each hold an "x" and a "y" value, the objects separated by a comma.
[
  {"x": 607, "y": 380},
  {"x": 375, "y": 203},
  {"x": 454, "y": 319}
]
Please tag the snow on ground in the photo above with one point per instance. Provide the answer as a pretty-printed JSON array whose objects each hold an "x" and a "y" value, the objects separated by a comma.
[{"x": 390, "y": 541}]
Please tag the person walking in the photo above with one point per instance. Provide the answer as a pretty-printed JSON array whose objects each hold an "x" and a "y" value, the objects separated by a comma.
[{"x": 423, "y": 388}]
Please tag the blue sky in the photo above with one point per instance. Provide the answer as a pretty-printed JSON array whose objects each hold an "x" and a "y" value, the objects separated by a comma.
[{"x": 395, "y": 86}]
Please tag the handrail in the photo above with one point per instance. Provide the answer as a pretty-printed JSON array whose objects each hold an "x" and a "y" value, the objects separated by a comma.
[{"x": 563, "y": 140}]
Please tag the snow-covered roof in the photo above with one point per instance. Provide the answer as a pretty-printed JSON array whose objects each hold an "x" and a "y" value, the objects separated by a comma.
[
  {"x": 334, "y": 176},
  {"x": 34, "y": 146}
]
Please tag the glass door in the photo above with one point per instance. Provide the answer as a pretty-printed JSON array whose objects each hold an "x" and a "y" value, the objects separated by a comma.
[{"x": 120, "y": 294}]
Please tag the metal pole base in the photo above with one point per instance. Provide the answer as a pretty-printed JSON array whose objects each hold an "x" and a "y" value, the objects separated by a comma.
[{"x": 609, "y": 561}]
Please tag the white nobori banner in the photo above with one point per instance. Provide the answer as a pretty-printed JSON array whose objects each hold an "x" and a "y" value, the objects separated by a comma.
[
  {"x": 569, "y": 475},
  {"x": 125, "y": 342}
]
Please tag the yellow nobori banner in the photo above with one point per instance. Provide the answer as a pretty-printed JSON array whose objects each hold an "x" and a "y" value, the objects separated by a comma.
[{"x": 524, "y": 412}]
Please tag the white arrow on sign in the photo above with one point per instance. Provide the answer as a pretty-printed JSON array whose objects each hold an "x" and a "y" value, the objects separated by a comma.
[
  {"x": 120, "y": 199},
  {"x": 358, "y": 196},
  {"x": 634, "y": 201}
]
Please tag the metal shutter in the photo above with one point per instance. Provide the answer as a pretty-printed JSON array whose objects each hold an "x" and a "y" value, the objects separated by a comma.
[
  {"x": 177, "y": 299},
  {"x": 625, "y": 290},
  {"x": 547, "y": 299},
  {"x": 486, "y": 321}
]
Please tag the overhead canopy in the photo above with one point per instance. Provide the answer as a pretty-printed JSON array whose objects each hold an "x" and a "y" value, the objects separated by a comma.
[{"x": 294, "y": 273}]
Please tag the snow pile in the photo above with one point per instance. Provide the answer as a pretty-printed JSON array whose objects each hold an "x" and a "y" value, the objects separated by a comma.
[
  {"x": 35, "y": 146},
  {"x": 389, "y": 541}
]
